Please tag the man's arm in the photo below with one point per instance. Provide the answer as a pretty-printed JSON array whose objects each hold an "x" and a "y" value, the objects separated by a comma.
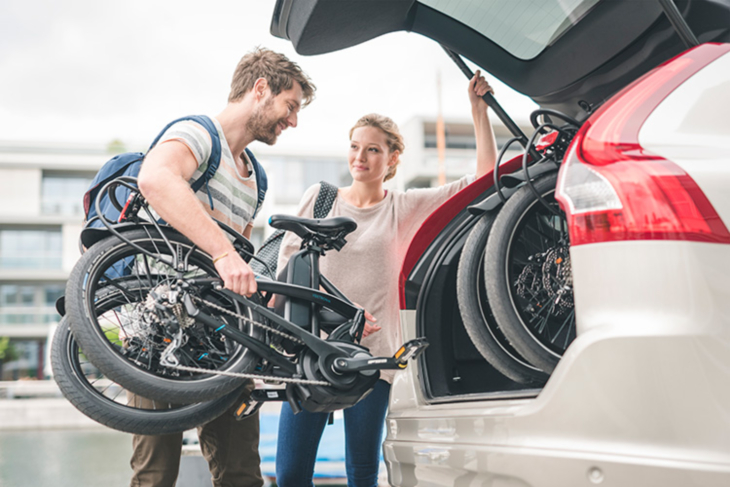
[
  {"x": 163, "y": 181},
  {"x": 486, "y": 144}
]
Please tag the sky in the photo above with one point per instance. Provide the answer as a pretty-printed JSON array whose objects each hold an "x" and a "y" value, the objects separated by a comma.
[{"x": 91, "y": 71}]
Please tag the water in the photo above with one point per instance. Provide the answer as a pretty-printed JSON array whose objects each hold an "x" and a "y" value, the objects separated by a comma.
[
  {"x": 65, "y": 458},
  {"x": 100, "y": 457}
]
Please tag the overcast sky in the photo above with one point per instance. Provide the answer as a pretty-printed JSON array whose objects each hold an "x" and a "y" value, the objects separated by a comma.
[{"x": 89, "y": 71}]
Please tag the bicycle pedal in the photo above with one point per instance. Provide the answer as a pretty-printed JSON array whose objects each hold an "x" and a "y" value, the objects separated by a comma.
[
  {"x": 257, "y": 399},
  {"x": 410, "y": 350},
  {"x": 248, "y": 408}
]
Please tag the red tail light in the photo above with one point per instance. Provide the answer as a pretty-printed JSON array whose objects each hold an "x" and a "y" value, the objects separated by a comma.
[{"x": 613, "y": 189}]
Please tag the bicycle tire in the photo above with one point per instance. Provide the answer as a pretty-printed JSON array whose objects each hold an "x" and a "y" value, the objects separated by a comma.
[
  {"x": 109, "y": 338},
  {"x": 476, "y": 314},
  {"x": 102, "y": 400},
  {"x": 523, "y": 230}
]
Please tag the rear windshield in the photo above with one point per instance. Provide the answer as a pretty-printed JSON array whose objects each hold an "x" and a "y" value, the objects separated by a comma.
[{"x": 521, "y": 27}]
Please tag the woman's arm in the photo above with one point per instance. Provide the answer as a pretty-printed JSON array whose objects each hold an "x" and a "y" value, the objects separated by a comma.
[{"x": 486, "y": 144}]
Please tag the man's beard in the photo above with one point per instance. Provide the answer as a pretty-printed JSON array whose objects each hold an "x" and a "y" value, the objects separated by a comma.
[{"x": 261, "y": 127}]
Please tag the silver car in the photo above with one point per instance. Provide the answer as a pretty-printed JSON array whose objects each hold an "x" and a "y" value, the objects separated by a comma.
[{"x": 577, "y": 302}]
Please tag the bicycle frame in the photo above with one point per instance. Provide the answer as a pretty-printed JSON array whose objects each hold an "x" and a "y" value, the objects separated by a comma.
[{"x": 302, "y": 299}]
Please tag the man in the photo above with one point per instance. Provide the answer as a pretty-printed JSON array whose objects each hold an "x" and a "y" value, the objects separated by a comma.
[{"x": 266, "y": 95}]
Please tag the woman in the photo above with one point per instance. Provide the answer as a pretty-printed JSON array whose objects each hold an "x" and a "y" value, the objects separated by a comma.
[{"x": 366, "y": 271}]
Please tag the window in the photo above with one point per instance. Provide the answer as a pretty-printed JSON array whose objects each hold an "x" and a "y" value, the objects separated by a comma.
[
  {"x": 63, "y": 194},
  {"x": 452, "y": 141},
  {"x": 28, "y": 357},
  {"x": 30, "y": 249},
  {"x": 292, "y": 176},
  {"x": 522, "y": 27},
  {"x": 29, "y": 303}
]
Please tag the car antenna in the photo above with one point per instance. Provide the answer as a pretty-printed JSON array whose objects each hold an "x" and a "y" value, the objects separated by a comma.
[
  {"x": 680, "y": 25},
  {"x": 495, "y": 106}
]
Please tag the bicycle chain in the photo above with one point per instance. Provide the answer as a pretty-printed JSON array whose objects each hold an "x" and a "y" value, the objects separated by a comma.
[
  {"x": 241, "y": 375},
  {"x": 249, "y": 320},
  {"x": 251, "y": 376}
]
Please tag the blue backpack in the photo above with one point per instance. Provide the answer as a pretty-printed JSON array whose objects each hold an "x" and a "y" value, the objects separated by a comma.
[{"x": 129, "y": 164}]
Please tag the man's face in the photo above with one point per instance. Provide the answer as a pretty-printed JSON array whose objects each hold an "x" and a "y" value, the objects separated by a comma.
[{"x": 275, "y": 114}]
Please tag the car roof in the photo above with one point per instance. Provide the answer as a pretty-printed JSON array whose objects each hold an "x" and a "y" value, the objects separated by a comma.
[{"x": 575, "y": 63}]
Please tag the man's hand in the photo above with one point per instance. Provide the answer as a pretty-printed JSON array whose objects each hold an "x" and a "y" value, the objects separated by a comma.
[{"x": 236, "y": 274}]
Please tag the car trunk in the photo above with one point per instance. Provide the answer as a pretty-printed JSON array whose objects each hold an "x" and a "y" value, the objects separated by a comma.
[{"x": 590, "y": 49}]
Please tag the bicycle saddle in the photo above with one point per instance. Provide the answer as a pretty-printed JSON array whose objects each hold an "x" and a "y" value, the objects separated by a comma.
[{"x": 304, "y": 227}]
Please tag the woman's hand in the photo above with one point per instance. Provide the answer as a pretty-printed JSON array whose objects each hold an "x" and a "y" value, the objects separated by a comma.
[
  {"x": 478, "y": 87},
  {"x": 370, "y": 326},
  {"x": 486, "y": 143}
]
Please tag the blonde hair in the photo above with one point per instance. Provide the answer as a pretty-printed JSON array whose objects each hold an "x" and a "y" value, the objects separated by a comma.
[
  {"x": 394, "y": 139},
  {"x": 275, "y": 68}
]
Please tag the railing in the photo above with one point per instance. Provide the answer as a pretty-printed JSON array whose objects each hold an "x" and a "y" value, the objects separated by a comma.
[{"x": 28, "y": 389}]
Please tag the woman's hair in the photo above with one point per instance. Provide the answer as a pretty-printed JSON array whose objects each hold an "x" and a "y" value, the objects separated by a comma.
[{"x": 393, "y": 136}]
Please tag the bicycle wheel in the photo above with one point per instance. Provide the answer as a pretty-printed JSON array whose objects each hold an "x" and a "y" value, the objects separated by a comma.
[
  {"x": 476, "y": 313},
  {"x": 123, "y": 310},
  {"x": 108, "y": 403},
  {"x": 528, "y": 277}
]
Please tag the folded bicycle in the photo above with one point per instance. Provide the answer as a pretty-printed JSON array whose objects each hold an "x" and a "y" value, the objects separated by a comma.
[{"x": 147, "y": 315}]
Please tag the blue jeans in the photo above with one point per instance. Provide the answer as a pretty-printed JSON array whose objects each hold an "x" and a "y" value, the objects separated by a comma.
[{"x": 299, "y": 436}]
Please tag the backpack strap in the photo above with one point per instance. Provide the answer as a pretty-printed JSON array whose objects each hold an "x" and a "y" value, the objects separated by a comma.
[
  {"x": 262, "y": 181},
  {"x": 214, "y": 159},
  {"x": 325, "y": 199}
]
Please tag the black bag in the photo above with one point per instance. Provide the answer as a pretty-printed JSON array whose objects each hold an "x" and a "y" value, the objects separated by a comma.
[{"x": 269, "y": 250}]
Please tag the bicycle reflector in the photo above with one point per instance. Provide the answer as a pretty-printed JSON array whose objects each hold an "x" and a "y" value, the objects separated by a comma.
[{"x": 612, "y": 189}]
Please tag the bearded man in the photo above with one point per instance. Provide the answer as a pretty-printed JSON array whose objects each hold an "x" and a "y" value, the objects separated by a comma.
[{"x": 267, "y": 92}]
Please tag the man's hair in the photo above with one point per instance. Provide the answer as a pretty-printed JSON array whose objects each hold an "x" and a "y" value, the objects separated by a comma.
[
  {"x": 276, "y": 68},
  {"x": 394, "y": 139}
]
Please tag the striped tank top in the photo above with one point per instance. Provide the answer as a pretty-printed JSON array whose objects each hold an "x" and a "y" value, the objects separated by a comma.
[{"x": 234, "y": 197}]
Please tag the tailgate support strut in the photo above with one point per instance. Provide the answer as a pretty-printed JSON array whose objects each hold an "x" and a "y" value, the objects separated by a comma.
[
  {"x": 679, "y": 24},
  {"x": 495, "y": 106}
]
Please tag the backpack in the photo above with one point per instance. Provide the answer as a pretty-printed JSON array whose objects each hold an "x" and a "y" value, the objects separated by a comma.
[
  {"x": 269, "y": 250},
  {"x": 129, "y": 164}
]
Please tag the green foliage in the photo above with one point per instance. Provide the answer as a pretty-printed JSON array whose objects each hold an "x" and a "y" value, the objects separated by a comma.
[
  {"x": 116, "y": 146},
  {"x": 7, "y": 350}
]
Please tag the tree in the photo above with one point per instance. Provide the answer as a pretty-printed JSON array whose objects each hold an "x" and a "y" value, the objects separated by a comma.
[{"x": 8, "y": 353}]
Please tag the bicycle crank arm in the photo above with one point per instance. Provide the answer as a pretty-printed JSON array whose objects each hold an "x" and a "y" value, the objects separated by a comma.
[{"x": 409, "y": 350}]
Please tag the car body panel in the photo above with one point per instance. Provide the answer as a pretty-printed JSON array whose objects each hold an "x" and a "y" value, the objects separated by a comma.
[{"x": 640, "y": 395}]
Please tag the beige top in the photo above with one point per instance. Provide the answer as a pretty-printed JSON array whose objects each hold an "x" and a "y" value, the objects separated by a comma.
[{"x": 366, "y": 269}]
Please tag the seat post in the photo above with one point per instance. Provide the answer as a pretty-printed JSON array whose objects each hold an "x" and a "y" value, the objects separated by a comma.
[{"x": 314, "y": 267}]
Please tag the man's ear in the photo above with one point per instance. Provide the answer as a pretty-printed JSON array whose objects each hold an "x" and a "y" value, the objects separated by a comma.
[{"x": 260, "y": 87}]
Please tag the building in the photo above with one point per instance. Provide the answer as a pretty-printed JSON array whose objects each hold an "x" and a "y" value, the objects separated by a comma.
[{"x": 41, "y": 188}]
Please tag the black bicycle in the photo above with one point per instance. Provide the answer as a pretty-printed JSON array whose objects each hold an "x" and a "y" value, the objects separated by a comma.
[
  {"x": 146, "y": 308},
  {"x": 514, "y": 280}
]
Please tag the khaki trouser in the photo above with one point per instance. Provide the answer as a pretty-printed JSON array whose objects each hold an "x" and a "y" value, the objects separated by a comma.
[{"x": 229, "y": 446}]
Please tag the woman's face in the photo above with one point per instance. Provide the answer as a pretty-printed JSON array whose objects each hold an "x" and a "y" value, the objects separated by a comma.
[{"x": 369, "y": 157}]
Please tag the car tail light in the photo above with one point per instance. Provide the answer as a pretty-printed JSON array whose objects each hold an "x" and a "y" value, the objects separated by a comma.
[{"x": 613, "y": 189}]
